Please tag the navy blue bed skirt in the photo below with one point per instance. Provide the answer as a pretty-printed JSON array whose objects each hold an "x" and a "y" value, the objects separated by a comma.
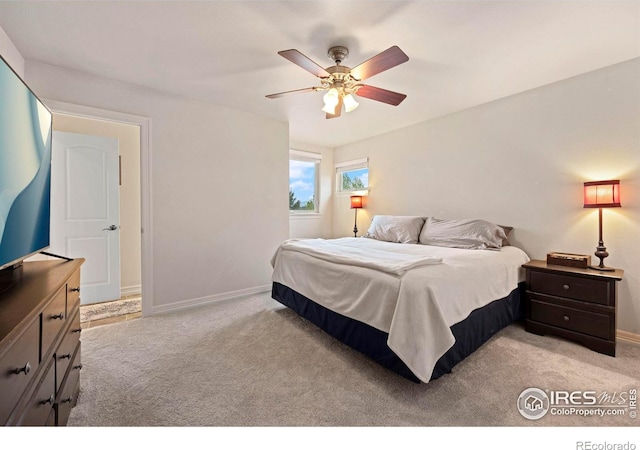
[{"x": 470, "y": 334}]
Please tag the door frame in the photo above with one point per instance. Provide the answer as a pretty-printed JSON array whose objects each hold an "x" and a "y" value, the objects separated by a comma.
[{"x": 146, "y": 212}]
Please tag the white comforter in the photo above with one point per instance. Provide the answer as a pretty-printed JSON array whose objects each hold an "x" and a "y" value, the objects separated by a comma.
[
  {"x": 413, "y": 292},
  {"x": 343, "y": 253}
]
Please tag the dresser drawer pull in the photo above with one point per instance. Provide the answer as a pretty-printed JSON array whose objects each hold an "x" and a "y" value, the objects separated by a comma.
[
  {"x": 67, "y": 356},
  {"x": 67, "y": 400},
  {"x": 566, "y": 287},
  {"x": 75, "y": 289},
  {"x": 77, "y": 330},
  {"x": 26, "y": 369},
  {"x": 50, "y": 400},
  {"x": 58, "y": 316},
  {"x": 78, "y": 367},
  {"x": 566, "y": 318}
]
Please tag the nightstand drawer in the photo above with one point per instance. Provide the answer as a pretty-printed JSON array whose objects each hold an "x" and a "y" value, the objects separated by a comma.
[
  {"x": 587, "y": 322},
  {"x": 578, "y": 288}
]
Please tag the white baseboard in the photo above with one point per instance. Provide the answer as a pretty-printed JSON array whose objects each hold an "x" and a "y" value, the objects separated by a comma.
[
  {"x": 628, "y": 337},
  {"x": 126, "y": 291},
  {"x": 190, "y": 303}
]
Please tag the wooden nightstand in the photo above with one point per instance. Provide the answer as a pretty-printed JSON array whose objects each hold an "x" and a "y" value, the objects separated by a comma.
[{"x": 576, "y": 304}]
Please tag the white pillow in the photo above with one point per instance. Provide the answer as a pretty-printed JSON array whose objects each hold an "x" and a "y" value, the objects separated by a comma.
[
  {"x": 401, "y": 229},
  {"x": 463, "y": 233}
]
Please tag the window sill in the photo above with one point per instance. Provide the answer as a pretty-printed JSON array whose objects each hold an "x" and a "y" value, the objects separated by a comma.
[
  {"x": 362, "y": 192},
  {"x": 311, "y": 215}
]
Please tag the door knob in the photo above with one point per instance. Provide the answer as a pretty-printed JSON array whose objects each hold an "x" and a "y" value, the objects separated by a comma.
[{"x": 111, "y": 228}]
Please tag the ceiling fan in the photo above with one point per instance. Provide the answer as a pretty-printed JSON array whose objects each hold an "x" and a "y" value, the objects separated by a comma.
[{"x": 342, "y": 82}]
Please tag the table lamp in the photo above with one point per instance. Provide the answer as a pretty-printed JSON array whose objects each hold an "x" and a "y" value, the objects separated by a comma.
[
  {"x": 356, "y": 203},
  {"x": 602, "y": 194}
]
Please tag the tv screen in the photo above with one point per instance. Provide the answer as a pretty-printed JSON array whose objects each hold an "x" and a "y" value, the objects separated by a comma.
[{"x": 25, "y": 169}]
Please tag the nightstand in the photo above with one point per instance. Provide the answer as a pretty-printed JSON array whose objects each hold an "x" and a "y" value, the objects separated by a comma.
[{"x": 573, "y": 303}]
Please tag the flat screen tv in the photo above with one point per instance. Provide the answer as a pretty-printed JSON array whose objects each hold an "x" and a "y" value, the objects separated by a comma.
[{"x": 25, "y": 170}]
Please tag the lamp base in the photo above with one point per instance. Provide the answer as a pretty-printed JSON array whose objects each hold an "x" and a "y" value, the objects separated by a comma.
[
  {"x": 601, "y": 253},
  {"x": 603, "y": 269}
]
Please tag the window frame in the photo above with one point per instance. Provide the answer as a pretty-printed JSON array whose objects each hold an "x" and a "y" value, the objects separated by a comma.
[
  {"x": 348, "y": 166},
  {"x": 316, "y": 158}
]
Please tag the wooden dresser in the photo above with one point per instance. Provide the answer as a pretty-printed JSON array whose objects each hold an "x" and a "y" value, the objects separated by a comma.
[
  {"x": 577, "y": 304},
  {"x": 40, "y": 343}
]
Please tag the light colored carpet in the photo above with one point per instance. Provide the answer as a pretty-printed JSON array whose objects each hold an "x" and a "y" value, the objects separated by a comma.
[{"x": 252, "y": 362}]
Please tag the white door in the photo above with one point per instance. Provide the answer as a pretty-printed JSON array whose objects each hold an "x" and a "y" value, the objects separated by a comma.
[{"x": 85, "y": 210}]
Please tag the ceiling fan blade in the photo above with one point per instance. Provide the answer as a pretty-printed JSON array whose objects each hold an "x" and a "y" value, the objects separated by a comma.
[
  {"x": 381, "y": 95},
  {"x": 389, "y": 58},
  {"x": 301, "y": 60},
  {"x": 338, "y": 110},
  {"x": 296, "y": 91}
]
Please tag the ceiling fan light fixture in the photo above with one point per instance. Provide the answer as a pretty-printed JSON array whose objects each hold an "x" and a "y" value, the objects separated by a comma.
[
  {"x": 331, "y": 97},
  {"x": 350, "y": 103},
  {"x": 342, "y": 81},
  {"x": 329, "y": 109}
]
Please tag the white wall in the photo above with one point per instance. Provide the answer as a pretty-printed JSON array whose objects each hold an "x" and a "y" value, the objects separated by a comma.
[
  {"x": 522, "y": 161},
  {"x": 219, "y": 192},
  {"x": 316, "y": 225},
  {"x": 11, "y": 54}
]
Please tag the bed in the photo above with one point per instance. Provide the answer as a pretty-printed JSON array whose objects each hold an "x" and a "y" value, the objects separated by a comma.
[{"x": 417, "y": 295}]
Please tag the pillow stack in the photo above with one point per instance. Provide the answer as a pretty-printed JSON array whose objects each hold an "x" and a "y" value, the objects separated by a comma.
[{"x": 457, "y": 233}]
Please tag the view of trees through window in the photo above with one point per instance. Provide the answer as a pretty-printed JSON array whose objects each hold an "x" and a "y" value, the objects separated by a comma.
[
  {"x": 354, "y": 180},
  {"x": 302, "y": 185}
]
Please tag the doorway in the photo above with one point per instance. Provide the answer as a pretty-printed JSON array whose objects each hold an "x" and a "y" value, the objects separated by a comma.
[
  {"x": 96, "y": 190},
  {"x": 135, "y": 168}
]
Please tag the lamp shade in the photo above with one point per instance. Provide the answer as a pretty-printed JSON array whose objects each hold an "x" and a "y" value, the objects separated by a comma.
[
  {"x": 350, "y": 103},
  {"x": 602, "y": 194},
  {"x": 356, "y": 201}
]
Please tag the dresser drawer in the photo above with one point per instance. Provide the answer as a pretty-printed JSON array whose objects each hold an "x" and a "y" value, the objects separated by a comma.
[
  {"x": 587, "y": 322},
  {"x": 17, "y": 367},
  {"x": 53, "y": 319},
  {"x": 68, "y": 396},
  {"x": 67, "y": 348},
  {"x": 73, "y": 292},
  {"x": 578, "y": 288},
  {"x": 38, "y": 410}
]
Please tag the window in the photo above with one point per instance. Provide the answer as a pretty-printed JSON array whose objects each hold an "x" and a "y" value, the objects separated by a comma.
[
  {"x": 304, "y": 169},
  {"x": 352, "y": 175}
]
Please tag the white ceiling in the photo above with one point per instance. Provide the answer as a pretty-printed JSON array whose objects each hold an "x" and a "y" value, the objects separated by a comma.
[{"x": 461, "y": 53}]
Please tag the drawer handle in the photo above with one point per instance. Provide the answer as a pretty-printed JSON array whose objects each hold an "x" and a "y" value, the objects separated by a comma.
[
  {"x": 566, "y": 287},
  {"x": 50, "y": 400},
  {"x": 67, "y": 356},
  {"x": 26, "y": 369},
  {"x": 77, "y": 330},
  {"x": 58, "y": 316},
  {"x": 75, "y": 289},
  {"x": 566, "y": 318},
  {"x": 78, "y": 367},
  {"x": 67, "y": 400}
]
